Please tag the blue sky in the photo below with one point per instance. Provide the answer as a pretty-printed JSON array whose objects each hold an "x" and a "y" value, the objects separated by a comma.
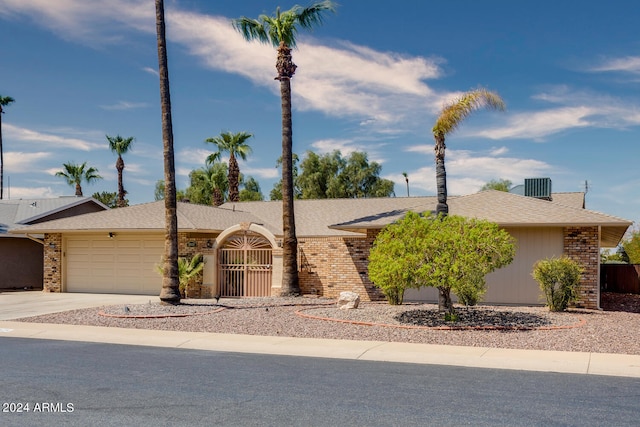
[{"x": 372, "y": 78}]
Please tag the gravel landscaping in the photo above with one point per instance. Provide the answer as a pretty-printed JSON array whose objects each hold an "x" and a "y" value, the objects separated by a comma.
[{"x": 615, "y": 329}]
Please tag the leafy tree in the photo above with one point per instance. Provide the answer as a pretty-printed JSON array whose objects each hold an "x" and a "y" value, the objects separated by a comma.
[
  {"x": 280, "y": 30},
  {"x": 617, "y": 257},
  {"x": 448, "y": 120},
  {"x": 319, "y": 174},
  {"x": 159, "y": 192},
  {"x": 332, "y": 176},
  {"x": 170, "y": 292},
  {"x": 120, "y": 146},
  {"x": 631, "y": 245},
  {"x": 499, "y": 185},
  {"x": 234, "y": 144},
  {"x": 450, "y": 253},
  {"x": 359, "y": 178},
  {"x": 276, "y": 191},
  {"x": 75, "y": 174},
  {"x": 251, "y": 191},
  {"x": 559, "y": 279},
  {"x": 4, "y": 101},
  {"x": 107, "y": 198}
]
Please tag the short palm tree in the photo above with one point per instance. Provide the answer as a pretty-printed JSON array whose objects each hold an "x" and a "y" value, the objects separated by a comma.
[
  {"x": 120, "y": 146},
  {"x": 280, "y": 30},
  {"x": 75, "y": 174},
  {"x": 188, "y": 269},
  {"x": 170, "y": 292},
  {"x": 448, "y": 120},
  {"x": 4, "y": 101},
  {"x": 234, "y": 144}
]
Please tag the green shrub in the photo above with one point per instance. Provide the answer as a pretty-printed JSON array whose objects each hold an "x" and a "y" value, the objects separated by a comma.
[
  {"x": 471, "y": 292},
  {"x": 451, "y": 253},
  {"x": 558, "y": 279}
]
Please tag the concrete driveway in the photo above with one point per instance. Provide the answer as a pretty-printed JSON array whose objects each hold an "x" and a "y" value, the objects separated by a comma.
[{"x": 14, "y": 305}]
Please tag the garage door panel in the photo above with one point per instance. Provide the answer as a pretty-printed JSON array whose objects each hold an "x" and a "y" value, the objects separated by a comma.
[{"x": 124, "y": 264}]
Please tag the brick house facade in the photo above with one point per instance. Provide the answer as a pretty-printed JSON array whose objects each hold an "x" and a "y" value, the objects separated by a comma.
[{"x": 335, "y": 236}]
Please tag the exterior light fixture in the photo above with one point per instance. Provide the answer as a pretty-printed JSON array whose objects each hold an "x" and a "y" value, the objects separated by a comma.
[{"x": 112, "y": 235}]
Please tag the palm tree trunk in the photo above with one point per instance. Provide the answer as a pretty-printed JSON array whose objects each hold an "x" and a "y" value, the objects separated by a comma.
[
  {"x": 170, "y": 293},
  {"x": 78, "y": 190},
  {"x": 121, "y": 192},
  {"x": 441, "y": 177},
  {"x": 217, "y": 198},
  {"x": 290, "y": 285},
  {"x": 234, "y": 176}
]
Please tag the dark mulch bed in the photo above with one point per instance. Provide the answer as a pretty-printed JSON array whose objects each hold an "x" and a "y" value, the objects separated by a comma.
[
  {"x": 611, "y": 301},
  {"x": 476, "y": 317}
]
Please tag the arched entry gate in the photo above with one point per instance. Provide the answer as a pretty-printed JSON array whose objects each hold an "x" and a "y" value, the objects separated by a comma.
[{"x": 245, "y": 265}]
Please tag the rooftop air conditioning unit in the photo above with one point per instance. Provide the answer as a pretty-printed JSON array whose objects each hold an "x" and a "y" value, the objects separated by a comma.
[{"x": 539, "y": 188}]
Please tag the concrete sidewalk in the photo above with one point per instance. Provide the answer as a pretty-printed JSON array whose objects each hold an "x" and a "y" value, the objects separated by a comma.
[{"x": 478, "y": 357}]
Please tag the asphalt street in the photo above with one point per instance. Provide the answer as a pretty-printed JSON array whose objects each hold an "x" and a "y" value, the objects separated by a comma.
[{"x": 107, "y": 384}]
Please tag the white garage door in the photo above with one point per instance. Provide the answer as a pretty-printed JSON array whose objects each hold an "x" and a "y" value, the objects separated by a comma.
[{"x": 124, "y": 264}]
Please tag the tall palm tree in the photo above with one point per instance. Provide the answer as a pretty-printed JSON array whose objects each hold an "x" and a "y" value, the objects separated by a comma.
[
  {"x": 234, "y": 144},
  {"x": 450, "y": 117},
  {"x": 120, "y": 146},
  {"x": 4, "y": 101},
  {"x": 75, "y": 174},
  {"x": 170, "y": 293},
  {"x": 280, "y": 30}
]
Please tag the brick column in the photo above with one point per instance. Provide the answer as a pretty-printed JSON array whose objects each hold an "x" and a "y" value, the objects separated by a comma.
[
  {"x": 581, "y": 244},
  {"x": 52, "y": 263}
]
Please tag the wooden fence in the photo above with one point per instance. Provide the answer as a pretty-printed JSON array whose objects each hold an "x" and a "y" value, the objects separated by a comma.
[{"x": 624, "y": 278}]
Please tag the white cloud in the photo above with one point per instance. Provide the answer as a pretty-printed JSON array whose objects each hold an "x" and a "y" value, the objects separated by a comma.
[
  {"x": 628, "y": 64},
  {"x": 538, "y": 124},
  {"x": 265, "y": 173},
  {"x": 468, "y": 171},
  {"x": 59, "y": 141},
  {"x": 125, "y": 105},
  {"x": 91, "y": 22},
  {"x": 152, "y": 71},
  {"x": 19, "y": 162},
  {"x": 31, "y": 193}
]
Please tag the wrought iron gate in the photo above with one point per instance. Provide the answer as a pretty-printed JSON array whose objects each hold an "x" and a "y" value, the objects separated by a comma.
[{"x": 244, "y": 266}]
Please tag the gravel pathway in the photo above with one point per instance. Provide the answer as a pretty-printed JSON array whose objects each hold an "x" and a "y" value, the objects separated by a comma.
[{"x": 614, "y": 330}]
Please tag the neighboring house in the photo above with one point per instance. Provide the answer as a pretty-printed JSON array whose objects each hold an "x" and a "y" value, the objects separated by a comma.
[
  {"x": 116, "y": 251},
  {"x": 21, "y": 255}
]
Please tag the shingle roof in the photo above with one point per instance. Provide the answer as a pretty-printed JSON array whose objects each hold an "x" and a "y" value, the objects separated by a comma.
[
  {"x": 148, "y": 217},
  {"x": 344, "y": 217},
  {"x": 513, "y": 210},
  {"x": 16, "y": 213},
  {"x": 313, "y": 217}
]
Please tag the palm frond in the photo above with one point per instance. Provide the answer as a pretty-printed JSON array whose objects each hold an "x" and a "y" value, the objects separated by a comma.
[
  {"x": 455, "y": 112},
  {"x": 251, "y": 29}
]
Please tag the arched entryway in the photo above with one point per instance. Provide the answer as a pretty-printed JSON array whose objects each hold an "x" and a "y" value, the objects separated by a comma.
[{"x": 245, "y": 265}]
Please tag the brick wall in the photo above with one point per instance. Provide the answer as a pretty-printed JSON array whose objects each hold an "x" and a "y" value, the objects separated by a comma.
[
  {"x": 581, "y": 244},
  {"x": 52, "y": 280},
  {"x": 190, "y": 244},
  {"x": 332, "y": 265}
]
